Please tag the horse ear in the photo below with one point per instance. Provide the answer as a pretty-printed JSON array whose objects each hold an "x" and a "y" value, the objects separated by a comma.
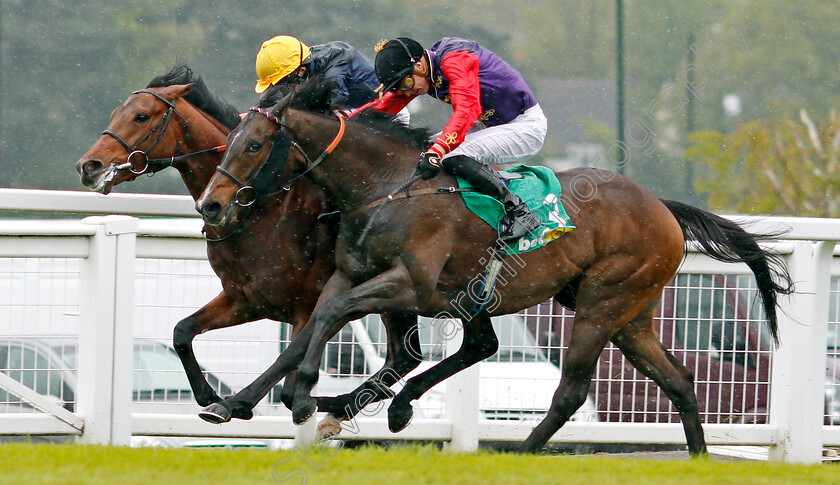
[
  {"x": 176, "y": 91},
  {"x": 279, "y": 107}
]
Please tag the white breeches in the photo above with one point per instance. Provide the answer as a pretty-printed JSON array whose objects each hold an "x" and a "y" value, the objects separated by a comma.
[{"x": 512, "y": 142}]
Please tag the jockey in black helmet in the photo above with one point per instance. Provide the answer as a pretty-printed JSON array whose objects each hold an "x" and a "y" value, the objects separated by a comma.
[{"x": 495, "y": 120}]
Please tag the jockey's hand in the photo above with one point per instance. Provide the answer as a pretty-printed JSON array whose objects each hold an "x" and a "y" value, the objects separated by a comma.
[{"x": 429, "y": 165}]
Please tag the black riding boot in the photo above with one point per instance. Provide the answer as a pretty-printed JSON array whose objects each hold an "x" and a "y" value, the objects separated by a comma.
[{"x": 484, "y": 179}]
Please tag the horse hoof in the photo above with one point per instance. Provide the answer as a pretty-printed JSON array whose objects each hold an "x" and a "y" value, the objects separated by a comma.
[
  {"x": 303, "y": 410},
  {"x": 328, "y": 428},
  {"x": 398, "y": 418},
  {"x": 215, "y": 413}
]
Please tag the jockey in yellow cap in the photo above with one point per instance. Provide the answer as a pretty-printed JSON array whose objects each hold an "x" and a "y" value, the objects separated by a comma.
[{"x": 285, "y": 59}]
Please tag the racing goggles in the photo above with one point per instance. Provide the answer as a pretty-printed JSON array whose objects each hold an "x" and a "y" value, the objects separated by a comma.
[{"x": 407, "y": 83}]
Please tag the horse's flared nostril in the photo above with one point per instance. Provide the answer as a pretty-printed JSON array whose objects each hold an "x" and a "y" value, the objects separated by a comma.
[
  {"x": 210, "y": 210},
  {"x": 89, "y": 167}
]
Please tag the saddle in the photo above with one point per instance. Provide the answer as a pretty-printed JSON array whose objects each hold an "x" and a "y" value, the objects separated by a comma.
[{"x": 540, "y": 189}]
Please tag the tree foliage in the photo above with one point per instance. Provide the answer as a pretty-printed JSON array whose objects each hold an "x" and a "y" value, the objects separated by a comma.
[{"x": 773, "y": 166}]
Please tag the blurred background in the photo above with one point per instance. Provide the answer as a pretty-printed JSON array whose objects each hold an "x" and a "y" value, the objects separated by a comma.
[{"x": 729, "y": 105}]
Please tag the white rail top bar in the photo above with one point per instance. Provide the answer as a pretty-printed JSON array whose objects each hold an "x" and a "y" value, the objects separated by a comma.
[
  {"x": 68, "y": 201},
  {"x": 12, "y": 227},
  {"x": 799, "y": 228},
  {"x": 79, "y": 202}
]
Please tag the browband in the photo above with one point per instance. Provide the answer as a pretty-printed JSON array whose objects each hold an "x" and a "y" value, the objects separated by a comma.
[{"x": 267, "y": 114}]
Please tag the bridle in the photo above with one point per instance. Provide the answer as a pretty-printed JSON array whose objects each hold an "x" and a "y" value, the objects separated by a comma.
[
  {"x": 246, "y": 195},
  {"x": 140, "y": 158}
]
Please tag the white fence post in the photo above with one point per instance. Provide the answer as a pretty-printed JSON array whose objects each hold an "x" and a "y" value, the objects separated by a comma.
[
  {"x": 462, "y": 401},
  {"x": 106, "y": 332},
  {"x": 797, "y": 395},
  {"x": 305, "y": 433}
]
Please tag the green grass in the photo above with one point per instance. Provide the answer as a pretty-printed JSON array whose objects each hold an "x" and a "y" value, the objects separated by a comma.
[{"x": 91, "y": 465}]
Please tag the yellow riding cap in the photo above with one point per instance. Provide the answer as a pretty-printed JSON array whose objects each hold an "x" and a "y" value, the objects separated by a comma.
[{"x": 278, "y": 57}]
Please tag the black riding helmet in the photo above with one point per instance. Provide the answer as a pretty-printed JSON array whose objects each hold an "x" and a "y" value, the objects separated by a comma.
[{"x": 395, "y": 61}]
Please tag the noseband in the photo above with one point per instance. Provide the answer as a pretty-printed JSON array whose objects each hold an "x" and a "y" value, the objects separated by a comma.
[{"x": 134, "y": 153}]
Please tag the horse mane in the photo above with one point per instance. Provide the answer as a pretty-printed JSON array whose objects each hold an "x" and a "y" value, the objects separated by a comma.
[
  {"x": 276, "y": 93},
  {"x": 314, "y": 96},
  {"x": 419, "y": 136},
  {"x": 200, "y": 95}
]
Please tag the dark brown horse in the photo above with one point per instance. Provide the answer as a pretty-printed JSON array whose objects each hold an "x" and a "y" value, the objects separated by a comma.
[
  {"x": 423, "y": 253},
  {"x": 273, "y": 261}
]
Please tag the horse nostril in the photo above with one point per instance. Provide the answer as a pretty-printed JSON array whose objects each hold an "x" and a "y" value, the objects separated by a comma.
[
  {"x": 211, "y": 210},
  {"x": 90, "y": 167}
]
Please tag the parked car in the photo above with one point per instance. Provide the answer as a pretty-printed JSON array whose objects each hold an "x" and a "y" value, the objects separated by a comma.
[{"x": 48, "y": 366}]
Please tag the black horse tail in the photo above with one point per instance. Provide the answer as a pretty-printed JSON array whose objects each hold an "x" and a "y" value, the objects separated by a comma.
[{"x": 726, "y": 241}]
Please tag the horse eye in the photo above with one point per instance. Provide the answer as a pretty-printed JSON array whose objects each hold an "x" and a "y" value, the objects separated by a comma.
[
  {"x": 254, "y": 147},
  {"x": 141, "y": 118}
]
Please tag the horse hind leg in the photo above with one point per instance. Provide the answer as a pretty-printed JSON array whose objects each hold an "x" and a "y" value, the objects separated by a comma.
[
  {"x": 602, "y": 311},
  {"x": 585, "y": 347},
  {"x": 640, "y": 344}
]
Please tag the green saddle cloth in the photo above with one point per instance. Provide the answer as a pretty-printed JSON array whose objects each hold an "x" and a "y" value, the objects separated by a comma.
[{"x": 540, "y": 189}]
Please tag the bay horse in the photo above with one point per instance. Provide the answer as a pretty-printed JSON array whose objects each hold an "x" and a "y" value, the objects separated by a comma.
[
  {"x": 272, "y": 262},
  {"x": 422, "y": 253}
]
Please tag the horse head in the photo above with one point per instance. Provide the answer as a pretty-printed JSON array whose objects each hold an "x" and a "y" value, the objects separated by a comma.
[
  {"x": 291, "y": 133},
  {"x": 141, "y": 128},
  {"x": 175, "y": 121},
  {"x": 257, "y": 155}
]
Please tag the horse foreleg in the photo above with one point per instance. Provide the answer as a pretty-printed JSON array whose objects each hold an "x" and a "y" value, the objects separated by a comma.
[
  {"x": 640, "y": 344},
  {"x": 479, "y": 343},
  {"x": 221, "y": 312},
  {"x": 388, "y": 292},
  {"x": 403, "y": 355},
  {"x": 241, "y": 405},
  {"x": 287, "y": 393}
]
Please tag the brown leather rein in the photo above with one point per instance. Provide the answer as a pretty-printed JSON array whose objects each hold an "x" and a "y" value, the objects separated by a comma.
[
  {"x": 414, "y": 193},
  {"x": 329, "y": 149}
]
